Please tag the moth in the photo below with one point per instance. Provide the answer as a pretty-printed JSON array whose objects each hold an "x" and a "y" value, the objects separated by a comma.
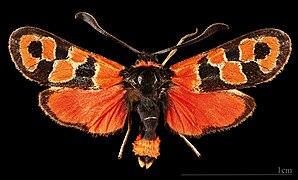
[{"x": 193, "y": 97}]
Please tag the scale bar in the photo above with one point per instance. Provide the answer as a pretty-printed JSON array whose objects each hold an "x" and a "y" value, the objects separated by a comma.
[{"x": 276, "y": 174}]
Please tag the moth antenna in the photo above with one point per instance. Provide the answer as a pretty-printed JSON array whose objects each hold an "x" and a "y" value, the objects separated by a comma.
[
  {"x": 172, "y": 52},
  {"x": 88, "y": 18},
  {"x": 213, "y": 28}
]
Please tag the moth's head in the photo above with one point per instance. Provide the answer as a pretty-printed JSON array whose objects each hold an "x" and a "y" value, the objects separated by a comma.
[{"x": 147, "y": 58}]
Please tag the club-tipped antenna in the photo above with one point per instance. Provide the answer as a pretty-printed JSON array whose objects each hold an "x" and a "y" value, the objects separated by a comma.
[
  {"x": 213, "y": 28},
  {"x": 88, "y": 18}
]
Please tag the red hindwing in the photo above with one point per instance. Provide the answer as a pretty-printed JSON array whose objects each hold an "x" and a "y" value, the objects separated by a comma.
[
  {"x": 96, "y": 111},
  {"x": 194, "y": 114}
]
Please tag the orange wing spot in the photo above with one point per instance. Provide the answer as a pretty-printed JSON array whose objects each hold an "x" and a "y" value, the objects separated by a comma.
[
  {"x": 191, "y": 113},
  {"x": 49, "y": 48},
  {"x": 99, "y": 112},
  {"x": 108, "y": 73},
  {"x": 246, "y": 48},
  {"x": 63, "y": 71},
  {"x": 28, "y": 61},
  {"x": 77, "y": 55},
  {"x": 186, "y": 72},
  {"x": 216, "y": 56},
  {"x": 143, "y": 147},
  {"x": 267, "y": 64},
  {"x": 187, "y": 77},
  {"x": 111, "y": 64},
  {"x": 107, "y": 81},
  {"x": 188, "y": 62},
  {"x": 231, "y": 73},
  {"x": 107, "y": 77}
]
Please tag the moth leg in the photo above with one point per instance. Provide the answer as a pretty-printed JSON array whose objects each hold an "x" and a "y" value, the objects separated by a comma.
[
  {"x": 190, "y": 145},
  {"x": 125, "y": 138},
  {"x": 175, "y": 50}
]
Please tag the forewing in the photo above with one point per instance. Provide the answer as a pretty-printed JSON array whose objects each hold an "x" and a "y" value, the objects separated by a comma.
[
  {"x": 246, "y": 61},
  {"x": 50, "y": 60}
]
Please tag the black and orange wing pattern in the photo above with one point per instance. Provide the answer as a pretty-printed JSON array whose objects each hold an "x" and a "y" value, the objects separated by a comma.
[
  {"x": 85, "y": 91},
  {"x": 198, "y": 95},
  {"x": 204, "y": 97}
]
